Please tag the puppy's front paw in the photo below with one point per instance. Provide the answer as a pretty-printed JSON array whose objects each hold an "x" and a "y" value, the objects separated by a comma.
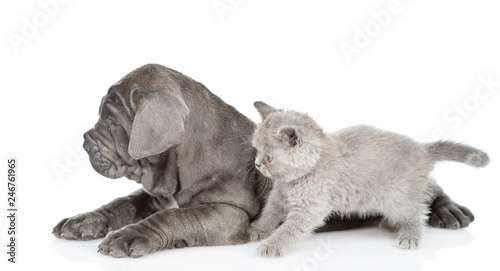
[
  {"x": 127, "y": 242},
  {"x": 256, "y": 234},
  {"x": 86, "y": 226},
  {"x": 271, "y": 249}
]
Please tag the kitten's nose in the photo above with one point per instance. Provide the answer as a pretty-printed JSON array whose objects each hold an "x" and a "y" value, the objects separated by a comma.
[{"x": 257, "y": 165}]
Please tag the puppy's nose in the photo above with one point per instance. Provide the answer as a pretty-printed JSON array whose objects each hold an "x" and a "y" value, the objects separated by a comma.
[
  {"x": 87, "y": 143},
  {"x": 86, "y": 146}
]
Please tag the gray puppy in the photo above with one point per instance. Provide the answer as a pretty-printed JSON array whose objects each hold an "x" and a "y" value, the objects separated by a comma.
[{"x": 192, "y": 153}]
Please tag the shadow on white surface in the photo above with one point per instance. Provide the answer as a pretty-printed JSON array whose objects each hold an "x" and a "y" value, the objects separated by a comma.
[{"x": 361, "y": 249}]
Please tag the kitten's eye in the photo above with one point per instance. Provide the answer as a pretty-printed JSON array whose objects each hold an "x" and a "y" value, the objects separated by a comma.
[{"x": 269, "y": 158}]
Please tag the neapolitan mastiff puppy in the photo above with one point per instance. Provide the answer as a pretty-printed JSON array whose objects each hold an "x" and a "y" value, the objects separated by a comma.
[{"x": 192, "y": 154}]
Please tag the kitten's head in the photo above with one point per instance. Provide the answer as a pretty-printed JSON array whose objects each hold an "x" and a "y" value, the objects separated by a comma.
[{"x": 288, "y": 143}]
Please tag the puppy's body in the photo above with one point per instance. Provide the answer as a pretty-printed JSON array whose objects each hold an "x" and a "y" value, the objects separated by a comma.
[{"x": 360, "y": 171}]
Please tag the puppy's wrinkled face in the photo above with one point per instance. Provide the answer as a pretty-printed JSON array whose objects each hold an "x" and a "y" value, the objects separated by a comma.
[{"x": 107, "y": 142}]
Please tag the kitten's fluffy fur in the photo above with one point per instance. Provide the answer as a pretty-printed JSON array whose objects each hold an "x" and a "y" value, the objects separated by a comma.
[{"x": 361, "y": 170}]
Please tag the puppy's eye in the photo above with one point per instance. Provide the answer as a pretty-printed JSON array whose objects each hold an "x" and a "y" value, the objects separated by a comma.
[
  {"x": 113, "y": 121},
  {"x": 269, "y": 158}
]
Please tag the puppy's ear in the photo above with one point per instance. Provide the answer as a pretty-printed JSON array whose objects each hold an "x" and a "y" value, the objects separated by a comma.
[
  {"x": 158, "y": 124},
  {"x": 264, "y": 109},
  {"x": 289, "y": 136}
]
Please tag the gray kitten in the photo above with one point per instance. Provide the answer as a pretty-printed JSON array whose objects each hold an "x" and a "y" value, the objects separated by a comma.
[{"x": 359, "y": 170}]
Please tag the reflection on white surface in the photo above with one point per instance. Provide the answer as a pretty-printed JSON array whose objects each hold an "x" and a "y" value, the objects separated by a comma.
[{"x": 361, "y": 249}]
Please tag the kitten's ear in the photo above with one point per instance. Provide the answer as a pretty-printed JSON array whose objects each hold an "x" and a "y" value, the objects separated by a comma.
[
  {"x": 264, "y": 109},
  {"x": 289, "y": 136}
]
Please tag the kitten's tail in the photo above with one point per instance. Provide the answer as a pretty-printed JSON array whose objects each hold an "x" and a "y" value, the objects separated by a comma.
[{"x": 451, "y": 151}]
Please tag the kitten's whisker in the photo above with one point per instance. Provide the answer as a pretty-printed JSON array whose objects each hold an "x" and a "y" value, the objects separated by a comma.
[{"x": 263, "y": 189}]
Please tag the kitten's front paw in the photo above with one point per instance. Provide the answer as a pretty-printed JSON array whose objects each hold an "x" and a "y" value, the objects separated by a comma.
[
  {"x": 257, "y": 234},
  {"x": 268, "y": 249}
]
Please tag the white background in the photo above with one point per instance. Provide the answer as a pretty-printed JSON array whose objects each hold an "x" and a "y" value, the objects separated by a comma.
[{"x": 410, "y": 75}]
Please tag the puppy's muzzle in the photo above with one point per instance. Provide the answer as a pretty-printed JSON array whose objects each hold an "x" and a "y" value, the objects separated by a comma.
[{"x": 99, "y": 162}]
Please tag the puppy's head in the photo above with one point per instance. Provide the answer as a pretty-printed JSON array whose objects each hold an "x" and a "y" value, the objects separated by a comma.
[{"x": 134, "y": 130}]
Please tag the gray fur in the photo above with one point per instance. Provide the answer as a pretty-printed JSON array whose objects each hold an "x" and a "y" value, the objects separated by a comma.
[
  {"x": 451, "y": 151},
  {"x": 359, "y": 170},
  {"x": 192, "y": 153}
]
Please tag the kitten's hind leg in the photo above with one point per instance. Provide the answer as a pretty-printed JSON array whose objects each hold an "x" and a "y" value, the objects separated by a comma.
[
  {"x": 388, "y": 225},
  {"x": 410, "y": 232}
]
